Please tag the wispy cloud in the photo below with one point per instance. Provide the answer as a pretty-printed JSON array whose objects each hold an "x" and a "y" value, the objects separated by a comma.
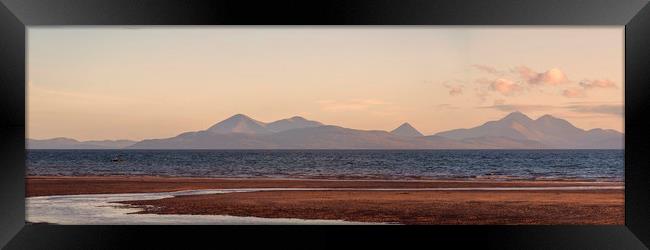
[
  {"x": 597, "y": 109},
  {"x": 532, "y": 80},
  {"x": 600, "y": 83},
  {"x": 588, "y": 85},
  {"x": 523, "y": 80},
  {"x": 552, "y": 76}
]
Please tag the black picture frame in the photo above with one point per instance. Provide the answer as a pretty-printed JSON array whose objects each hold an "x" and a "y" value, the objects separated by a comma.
[{"x": 17, "y": 15}]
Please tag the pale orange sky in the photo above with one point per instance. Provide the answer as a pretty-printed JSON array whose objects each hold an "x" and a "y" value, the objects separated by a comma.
[{"x": 138, "y": 83}]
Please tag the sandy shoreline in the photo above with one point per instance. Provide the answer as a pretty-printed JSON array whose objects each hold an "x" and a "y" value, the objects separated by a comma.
[{"x": 412, "y": 205}]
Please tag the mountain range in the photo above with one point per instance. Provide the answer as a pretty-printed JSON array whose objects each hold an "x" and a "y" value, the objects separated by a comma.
[{"x": 514, "y": 131}]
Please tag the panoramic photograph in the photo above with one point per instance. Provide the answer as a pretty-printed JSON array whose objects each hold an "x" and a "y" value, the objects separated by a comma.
[{"x": 440, "y": 125}]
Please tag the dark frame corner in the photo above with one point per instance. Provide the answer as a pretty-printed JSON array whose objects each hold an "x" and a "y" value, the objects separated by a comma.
[{"x": 17, "y": 15}]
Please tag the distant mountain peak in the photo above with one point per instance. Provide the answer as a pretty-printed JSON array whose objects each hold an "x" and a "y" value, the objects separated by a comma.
[
  {"x": 547, "y": 117},
  {"x": 549, "y": 121},
  {"x": 297, "y": 118},
  {"x": 63, "y": 139},
  {"x": 239, "y": 116},
  {"x": 239, "y": 123},
  {"x": 406, "y": 130},
  {"x": 517, "y": 116},
  {"x": 291, "y": 123}
]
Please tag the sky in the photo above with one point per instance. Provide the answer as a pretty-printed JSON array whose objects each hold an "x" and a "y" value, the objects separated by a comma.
[{"x": 95, "y": 83}]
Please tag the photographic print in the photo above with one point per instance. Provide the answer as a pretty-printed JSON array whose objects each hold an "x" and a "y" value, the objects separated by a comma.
[{"x": 437, "y": 125}]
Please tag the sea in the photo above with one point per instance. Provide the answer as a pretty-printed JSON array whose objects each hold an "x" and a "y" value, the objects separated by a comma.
[{"x": 588, "y": 165}]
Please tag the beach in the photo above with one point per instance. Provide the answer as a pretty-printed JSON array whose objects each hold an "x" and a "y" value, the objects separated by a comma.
[{"x": 453, "y": 202}]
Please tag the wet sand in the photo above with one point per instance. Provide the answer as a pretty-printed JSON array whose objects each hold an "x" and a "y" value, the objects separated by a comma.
[{"x": 405, "y": 207}]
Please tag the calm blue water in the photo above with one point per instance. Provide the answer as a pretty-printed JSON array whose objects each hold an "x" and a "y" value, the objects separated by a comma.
[{"x": 384, "y": 164}]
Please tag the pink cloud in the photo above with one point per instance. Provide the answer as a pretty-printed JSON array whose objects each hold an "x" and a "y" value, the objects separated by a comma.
[
  {"x": 505, "y": 86},
  {"x": 552, "y": 76},
  {"x": 590, "y": 84}
]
